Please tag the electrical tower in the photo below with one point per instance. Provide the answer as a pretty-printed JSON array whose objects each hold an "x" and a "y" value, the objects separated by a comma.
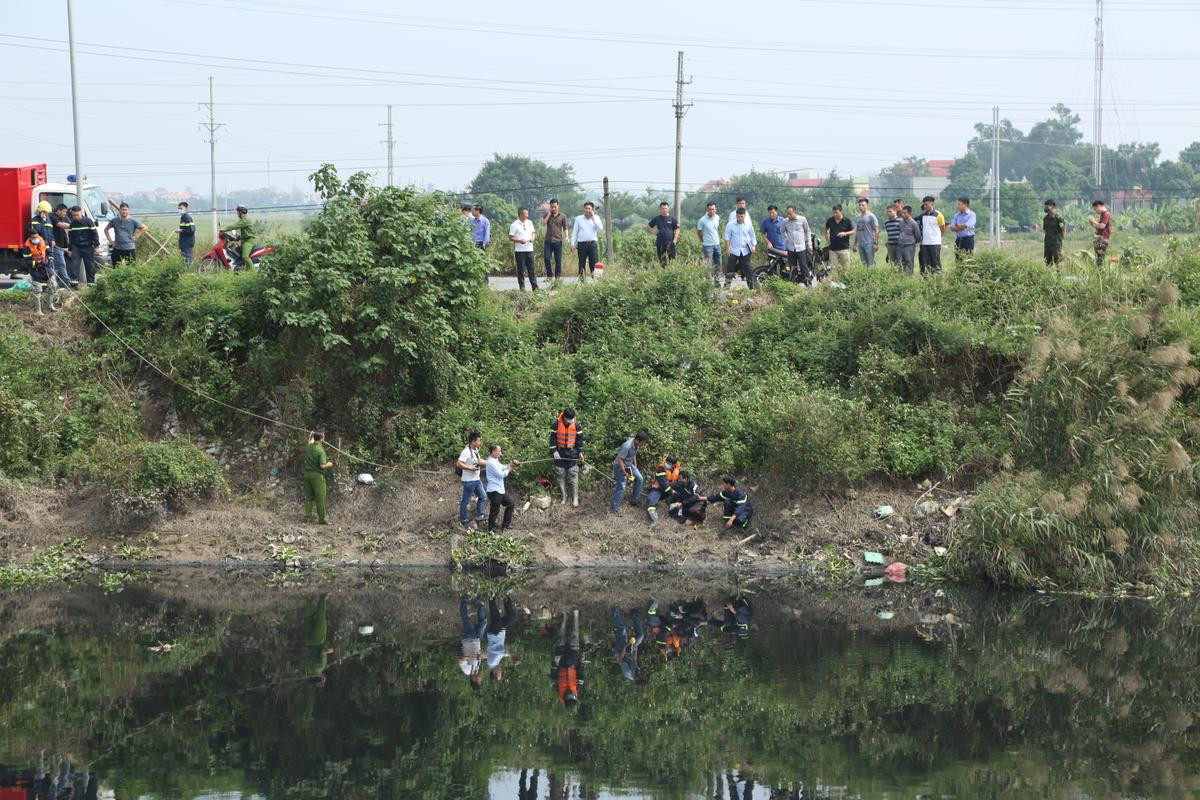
[
  {"x": 390, "y": 141},
  {"x": 680, "y": 109},
  {"x": 211, "y": 127},
  {"x": 1097, "y": 100}
]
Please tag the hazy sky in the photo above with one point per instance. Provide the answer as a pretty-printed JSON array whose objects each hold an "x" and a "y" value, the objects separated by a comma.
[{"x": 855, "y": 85}]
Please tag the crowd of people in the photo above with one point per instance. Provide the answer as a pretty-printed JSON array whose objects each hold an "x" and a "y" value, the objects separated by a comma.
[
  {"x": 910, "y": 238},
  {"x": 670, "y": 489},
  {"x": 670, "y": 629}
]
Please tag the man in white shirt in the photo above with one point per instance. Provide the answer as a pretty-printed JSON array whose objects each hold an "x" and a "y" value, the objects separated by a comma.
[
  {"x": 497, "y": 637},
  {"x": 585, "y": 237},
  {"x": 741, "y": 206},
  {"x": 497, "y": 496},
  {"x": 797, "y": 237},
  {"x": 473, "y": 632},
  {"x": 521, "y": 234},
  {"x": 468, "y": 465},
  {"x": 740, "y": 242}
]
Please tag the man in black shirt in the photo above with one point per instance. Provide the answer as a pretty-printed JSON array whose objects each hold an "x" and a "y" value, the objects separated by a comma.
[
  {"x": 838, "y": 230},
  {"x": 1055, "y": 227},
  {"x": 667, "y": 228},
  {"x": 84, "y": 239}
]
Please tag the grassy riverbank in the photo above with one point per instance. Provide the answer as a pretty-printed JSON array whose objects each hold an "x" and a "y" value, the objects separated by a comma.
[{"x": 1064, "y": 398}]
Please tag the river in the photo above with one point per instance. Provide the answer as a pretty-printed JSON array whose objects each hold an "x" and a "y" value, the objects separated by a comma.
[{"x": 195, "y": 684}]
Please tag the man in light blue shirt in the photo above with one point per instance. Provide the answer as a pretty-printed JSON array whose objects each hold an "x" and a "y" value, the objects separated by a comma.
[
  {"x": 481, "y": 228},
  {"x": 740, "y": 242},
  {"x": 708, "y": 230},
  {"x": 963, "y": 225}
]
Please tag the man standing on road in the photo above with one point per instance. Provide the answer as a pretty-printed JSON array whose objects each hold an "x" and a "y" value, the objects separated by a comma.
[
  {"x": 585, "y": 237},
  {"x": 521, "y": 234},
  {"x": 1102, "y": 226},
  {"x": 740, "y": 206},
  {"x": 625, "y": 470},
  {"x": 468, "y": 467},
  {"x": 838, "y": 231},
  {"x": 891, "y": 226},
  {"x": 667, "y": 229},
  {"x": 740, "y": 242},
  {"x": 1055, "y": 228},
  {"x": 556, "y": 230},
  {"x": 797, "y": 240},
  {"x": 708, "y": 231},
  {"x": 933, "y": 225},
  {"x": 128, "y": 230},
  {"x": 907, "y": 239},
  {"x": 866, "y": 230},
  {"x": 83, "y": 239},
  {"x": 772, "y": 230},
  {"x": 963, "y": 225},
  {"x": 187, "y": 233}
]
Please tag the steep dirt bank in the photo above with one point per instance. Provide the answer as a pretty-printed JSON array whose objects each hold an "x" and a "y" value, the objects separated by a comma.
[{"x": 415, "y": 522}]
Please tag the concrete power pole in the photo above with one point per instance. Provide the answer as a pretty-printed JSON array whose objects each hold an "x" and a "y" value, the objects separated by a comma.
[
  {"x": 82, "y": 276},
  {"x": 212, "y": 127},
  {"x": 608, "y": 237},
  {"x": 680, "y": 109},
  {"x": 995, "y": 176},
  {"x": 1098, "y": 101},
  {"x": 390, "y": 141}
]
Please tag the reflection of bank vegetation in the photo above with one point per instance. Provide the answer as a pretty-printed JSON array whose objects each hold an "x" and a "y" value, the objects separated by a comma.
[{"x": 1027, "y": 694}]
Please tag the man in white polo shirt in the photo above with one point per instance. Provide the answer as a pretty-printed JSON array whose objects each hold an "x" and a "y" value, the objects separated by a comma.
[{"x": 521, "y": 234}]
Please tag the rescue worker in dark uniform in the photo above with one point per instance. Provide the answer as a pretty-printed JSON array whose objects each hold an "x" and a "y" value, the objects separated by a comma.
[
  {"x": 566, "y": 447},
  {"x": 662, "y": 631},
  {"x": 737, "y": 617},
  {"x": 660, "y": 487},
  {"x": 736, "y": 507},
  {"x": 84, "y": 239},
  {"x": 687, "y": 504}
]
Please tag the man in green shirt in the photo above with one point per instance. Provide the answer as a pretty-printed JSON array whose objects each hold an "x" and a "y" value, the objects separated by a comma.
[
  {"x": 1054, "y": 227},
  {"x": 244, "y": 228},
  {"x": 316, "y": 639},
  {"x": 315, "y": 464}
]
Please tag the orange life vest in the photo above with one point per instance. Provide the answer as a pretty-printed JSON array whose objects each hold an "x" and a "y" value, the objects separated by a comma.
[
  {"x": 37, "y": 251},
  {"x": 568, "y": 681},
  {"x": 669, "y": 472},
  {"x": 566, "y": 434}
]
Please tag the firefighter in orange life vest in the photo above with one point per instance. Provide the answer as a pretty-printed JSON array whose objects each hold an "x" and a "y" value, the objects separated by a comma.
[
  {"x": 666, "y": 474},
  {"x": 566, "y": 446}
]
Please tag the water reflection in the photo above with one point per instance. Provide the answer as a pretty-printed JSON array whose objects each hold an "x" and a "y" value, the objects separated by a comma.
[{"x": 658, "y": 687}]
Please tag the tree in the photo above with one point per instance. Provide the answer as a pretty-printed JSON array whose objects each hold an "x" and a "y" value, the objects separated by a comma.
[
  {"x": 1190, "y": 155},
  {"x": 1019, "y": 204},
  {"x": 1059, "y": 129},
  {"x": 1130, "y": 165},
  {"x": 1171, "y": 180},
  {"x": 1060, "y": 179},
  {"x": 968, "y": 177},
  {"x": 525, "y": 181}
]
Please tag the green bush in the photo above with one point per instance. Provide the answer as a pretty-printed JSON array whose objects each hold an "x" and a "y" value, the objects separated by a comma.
[{"x": 145, "y": 478}]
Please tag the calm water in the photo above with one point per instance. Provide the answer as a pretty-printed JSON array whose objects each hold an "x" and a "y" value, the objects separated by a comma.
[{"x": 202, "y": 685}]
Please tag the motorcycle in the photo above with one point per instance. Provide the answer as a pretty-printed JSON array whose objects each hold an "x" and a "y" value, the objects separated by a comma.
[
  {"x": 777, "y": 266},
  {"x": 227, "y": 255}
]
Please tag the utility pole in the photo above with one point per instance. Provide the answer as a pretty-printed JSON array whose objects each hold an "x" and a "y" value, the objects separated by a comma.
[
  {"x": 82, "y": 277},
  {"x": 1098, "y": 100},
  {"x": 212, "y": 127},
  {"x": 390, "y": 141},
  {"x": 995, "y": 176},
  {"x": 680, "y": 110},
  {"x": 608, "y": 238}
]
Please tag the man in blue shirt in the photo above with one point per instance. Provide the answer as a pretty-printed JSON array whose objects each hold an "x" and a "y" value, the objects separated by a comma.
[
  {"x": 625, "y": 470},
  {"x": 481, "y": 228},
  {"x": 708, "y": 231},
  {"x": 963, "y": 225},
  {"x": 772, "y": 231},
  {"x": 187, "y": 233},
  {"x": 739, "y": 244}
]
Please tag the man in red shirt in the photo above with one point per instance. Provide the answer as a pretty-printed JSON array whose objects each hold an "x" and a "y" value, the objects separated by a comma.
[{"x": 1102, "y": 226}]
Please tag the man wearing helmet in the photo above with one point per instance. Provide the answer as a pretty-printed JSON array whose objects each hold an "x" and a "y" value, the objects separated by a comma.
[
  {"x": 43, "y": 223},
  {"x": 244, "y": 228}
]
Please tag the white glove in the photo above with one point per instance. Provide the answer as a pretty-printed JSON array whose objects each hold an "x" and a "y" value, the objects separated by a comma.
[{"x": 556, "y": 455}]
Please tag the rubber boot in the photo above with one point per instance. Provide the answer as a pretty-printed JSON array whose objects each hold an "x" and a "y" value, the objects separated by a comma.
[
  {"x": 653, "y": 512},
  {"x": 562, "y": 487},
  {"x": 574, "y": 489}
]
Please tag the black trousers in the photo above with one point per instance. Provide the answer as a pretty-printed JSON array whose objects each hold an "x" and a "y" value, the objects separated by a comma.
[
  {"x": 497, "y": 621},
  {"x": 800, "y": 260},
  {"x": 83, "y": 258},
  {"x": 666, "y": 252},
  {"x": 552, "y": 249},
  {"x": 1052, "y": 253},
  {"x": 963, "y": 246},
  {"x": 496, "y": 500},
  {"x": 931, "y": 258},
  {"x": 739, "y": 265},
  {"x": 589, "y": 253},
  {"x": 119, "y": 256},
  {"x": 525, "y": 266}
]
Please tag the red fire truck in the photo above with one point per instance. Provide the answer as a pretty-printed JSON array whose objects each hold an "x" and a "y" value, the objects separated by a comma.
[{"x": 22, "y": 187}]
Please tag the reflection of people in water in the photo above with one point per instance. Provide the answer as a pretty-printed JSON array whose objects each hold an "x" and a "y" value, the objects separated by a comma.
[
  {"x": 528, "y": 791},
  {"x": 566, "y": 669},
  {"x": 737, "y": 618},
  {"x": 662, "y": 629},
  {"x": 625, "y": 646},
  {"x": 747, "y": 789},
  {"x": 316, "y": 637},
  {"x": 468, "y": 662},
  {"x": 497, "y": 637}
]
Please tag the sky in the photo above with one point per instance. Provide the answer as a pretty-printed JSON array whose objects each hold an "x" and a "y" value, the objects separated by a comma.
[{"x": 825, "y": 84}]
